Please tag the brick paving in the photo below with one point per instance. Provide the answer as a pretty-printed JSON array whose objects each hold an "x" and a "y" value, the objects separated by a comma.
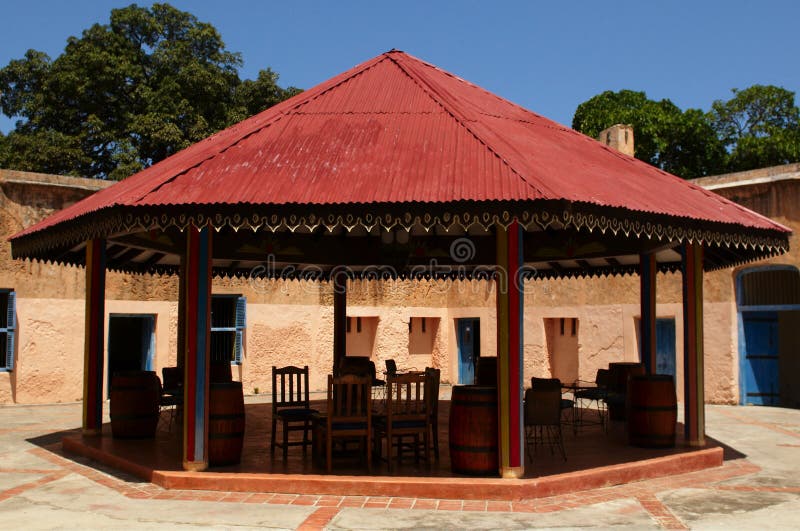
[{"x": 327, "y": 507}]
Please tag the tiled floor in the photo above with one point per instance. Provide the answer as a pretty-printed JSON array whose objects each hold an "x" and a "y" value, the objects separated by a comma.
[
  {"x": 46, "y": 488},
  {"x": 594, "y": 459}
]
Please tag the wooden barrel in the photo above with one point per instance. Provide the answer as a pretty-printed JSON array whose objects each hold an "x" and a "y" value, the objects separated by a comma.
[
  {"x": 486, "y": 371},
  {"x": 225, "y": 423},
  {"x": 220, "y": 372},
  {"x": 135, "y": 400},
  {"x": 473, "y": 430},
  {"x": 618, "y": 374},
  {"x": 652, "y": 411}
]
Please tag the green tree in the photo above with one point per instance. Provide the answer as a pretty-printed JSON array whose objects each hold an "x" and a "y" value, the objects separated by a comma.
[
  {"x": 760, "y": 126},
  {"x": 126, "y": 94},
  {"x": 683, "y": 143}
]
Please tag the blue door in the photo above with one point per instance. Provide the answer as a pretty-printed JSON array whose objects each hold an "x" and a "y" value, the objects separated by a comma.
[
  {"x": 665, "y": 346},
  {"x": 760, "y": 365},
  {"x": 468, "y": 349}
]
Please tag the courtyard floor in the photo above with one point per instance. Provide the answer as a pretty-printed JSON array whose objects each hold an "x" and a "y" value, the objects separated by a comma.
[{"x": 757, "y": 486}]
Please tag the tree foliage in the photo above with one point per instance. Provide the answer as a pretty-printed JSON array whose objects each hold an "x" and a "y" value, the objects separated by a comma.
[
  {"x": 126, "y": 94},
  {"x": 758, "y": 127},
  {"x": 683, "y": 143}
]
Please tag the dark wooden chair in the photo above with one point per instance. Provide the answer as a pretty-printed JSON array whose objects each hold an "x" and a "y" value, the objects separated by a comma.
[
  {"x": 567, "y": 405},
  {"x": 349, "y": 415},
  {"x": 391, "y": 367},
  {"x": 543, "y": 420},
  {"x": 406, "y": 416},
  {"x": 360, "y": 365},
  {"x": 597, "y": 395},
  {"x": 291, "y": 406},
  {"x": 172, "y": 392},
  {"x": 432, "y": 380}
]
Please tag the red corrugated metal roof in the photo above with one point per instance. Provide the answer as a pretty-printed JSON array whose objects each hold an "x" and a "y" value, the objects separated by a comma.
[{"x": 395, "y": 130}]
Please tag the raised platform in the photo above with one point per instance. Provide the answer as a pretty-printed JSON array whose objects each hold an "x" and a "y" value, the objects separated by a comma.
[{"x": 595, "y": 459}]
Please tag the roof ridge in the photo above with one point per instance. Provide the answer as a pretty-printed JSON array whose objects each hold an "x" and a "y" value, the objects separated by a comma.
[{"x": 462, "y": 120}]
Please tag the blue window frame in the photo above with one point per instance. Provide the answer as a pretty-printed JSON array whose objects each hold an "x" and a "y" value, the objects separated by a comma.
[
  {"x": 228, "y": 321},
  {"x": 8, "y": 328}
]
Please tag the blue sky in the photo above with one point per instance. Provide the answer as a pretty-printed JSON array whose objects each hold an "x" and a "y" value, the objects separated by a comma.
[{"x": 546, "y": 56}]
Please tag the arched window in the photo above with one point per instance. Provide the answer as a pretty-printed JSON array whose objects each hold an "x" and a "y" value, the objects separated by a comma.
[{"x": 768, "y": 286}]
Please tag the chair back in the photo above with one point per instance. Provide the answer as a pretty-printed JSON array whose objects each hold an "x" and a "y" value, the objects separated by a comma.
[
  {"x": 432, "y": 379},
  {"x": 545, "y": 383},
  {"x": 359, "y": 365},
  {"x": 349, "y": 398},
  {"x": 603, "y": 378},
  {"x": 543, "y": 407},
  {"x": 391, "y": 367},
  {"x": 289, "y": 387},
  {"x": 172, "y": 377},
  {"x": 405, "y": 398}
]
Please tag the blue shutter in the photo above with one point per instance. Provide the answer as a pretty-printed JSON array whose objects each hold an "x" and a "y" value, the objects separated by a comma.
[
  {"x": 11, "y": 325},
  {"x": 241, "y": 321}
]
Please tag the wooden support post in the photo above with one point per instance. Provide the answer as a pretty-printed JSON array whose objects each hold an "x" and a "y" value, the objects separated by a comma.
[
  {"x": 339, "y": 281},
  {"x": 196, "y": 359},
  {"x": 647, "y": 322},
  {"x": 93, "y": 337},
  {"x": 510, "y": 351},
  {"x": 694, "y": 396}
]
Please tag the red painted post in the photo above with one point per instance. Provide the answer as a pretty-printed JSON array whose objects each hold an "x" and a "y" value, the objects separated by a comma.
[
  {"x": 510, "y": 351},
  {"x": 339, "y": 282},
  {"x": 93, "y": 337},
  {"x": 693, "y": 390},
  {"x": 196, "y": 361}
]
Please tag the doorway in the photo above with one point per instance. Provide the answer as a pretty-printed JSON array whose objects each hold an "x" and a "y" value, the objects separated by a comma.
[
  {"x": 131, "y": 343},
  {"x": 768, "y": 304},
  {"x": 469, "y": 348},
  {"x": 561, "y": 338},
  {"x": 665, "y": 346},
  {"x": 760, "y": 331}
]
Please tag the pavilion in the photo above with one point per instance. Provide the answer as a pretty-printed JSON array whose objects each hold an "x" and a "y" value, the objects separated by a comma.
[{"x": 392, "y": 169}]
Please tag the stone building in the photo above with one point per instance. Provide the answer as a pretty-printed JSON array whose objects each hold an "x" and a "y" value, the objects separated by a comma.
[{"x": 572, "y": 326}]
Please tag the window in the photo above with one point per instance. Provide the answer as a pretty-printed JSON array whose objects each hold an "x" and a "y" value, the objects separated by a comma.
[
  {"x": 228, "y": 320},
  {"x": 8, "y": 325}
]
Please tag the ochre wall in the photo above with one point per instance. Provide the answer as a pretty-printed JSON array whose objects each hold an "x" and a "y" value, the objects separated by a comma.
[{"x": 292, "y": 322}]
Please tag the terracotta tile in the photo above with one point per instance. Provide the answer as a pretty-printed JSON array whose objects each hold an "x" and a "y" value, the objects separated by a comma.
[
  {"x": 305, "y": 500},
  {"x": 450, "y": 505},
  {"x": 259, "y": 497},
  {"x": 497, "y": 506},
  {"x": 283, "y": 498},
  {"x": 353, "y": 501},
  {"x": 236, "y": 496},
  {"x": 474, "y": 505},
  {"x": 319, "y": 519},
  {"x": 401, "y": 503},
  {"x": 375, "y": 505},
  {"x": 426, "y": 504},
  {"x": 329, "y": 501}
]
